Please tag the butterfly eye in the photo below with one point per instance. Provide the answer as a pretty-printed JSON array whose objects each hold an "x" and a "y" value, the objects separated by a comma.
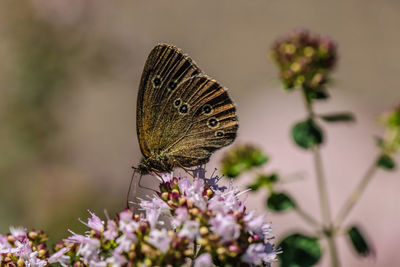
[
  {"x": 219, "y": 134},
  {"x": 157, "y": 81},
  {"x": 212, "y": 122},
  {"x": 207, "y": 109},
  {"x": 172, "y": 85},
  {"x": 177, "y": 102},
  {"x": 183, "y": 109}
]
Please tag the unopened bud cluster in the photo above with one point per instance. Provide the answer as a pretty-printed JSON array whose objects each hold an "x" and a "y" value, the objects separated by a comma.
[{"x": 304, "y": 59}]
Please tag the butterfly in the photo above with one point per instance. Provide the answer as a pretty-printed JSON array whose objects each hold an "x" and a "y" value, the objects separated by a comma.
[{"x": 183, "y": 115}]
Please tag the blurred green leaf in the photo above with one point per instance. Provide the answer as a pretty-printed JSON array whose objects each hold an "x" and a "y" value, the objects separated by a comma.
[
  {"x": 392, "y": 119},
  {"x": 264, "y": 180},
  {"x": 299, "y": 251},
  {"x": 242, "y": 158},
  {"x": 307, "y": 134},
  {"x": 386, "y": 162},
  {"x": 318, "y": 95},
  {"x": 379, "y": 141},
  {"x": 254, "y": 187},
  {"x": 279, "y": 202},
  {"x": 338, "y": 117},
  {"x": 359, "y": 242}
]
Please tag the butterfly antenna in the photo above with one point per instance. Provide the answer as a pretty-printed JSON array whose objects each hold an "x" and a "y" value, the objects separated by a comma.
[{"x": 129, "y": 189}]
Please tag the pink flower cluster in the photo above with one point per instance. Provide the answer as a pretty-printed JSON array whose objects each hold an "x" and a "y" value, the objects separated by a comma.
[
  {"x": 23, "y": 248},
  {"x": 186, "y": 222}
]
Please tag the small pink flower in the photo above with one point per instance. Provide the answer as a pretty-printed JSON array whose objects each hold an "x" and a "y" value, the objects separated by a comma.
[
  {"x": 193, "y": 191},
  {"x": 60, "y": 257},
  {"x": 181, "y": 215},
  {"x": 125, "y": 242},
  {"x": 159, "y": 239},
  {"x": 189, "y": 230},
  {"x": 116, "y": 260},
  {"x": 18, "y": 232},
  {"x": 225, "y": 226},
  {"x": 167, "y": 177},
  {"x": 154, "y": 209},
  {"x": 184, "y": 185},
  {"x": 3, "y": 243},
  {"x": 257, "y": 225},
  {"x": 259, "y": 253},
  {"x": 95, "y": 223},
  {"x": 88, "y": 246},
  {"x": 204, "y": 260},
  {"x": 126, "y": 223},
  {"x": 112, "y": 232}
]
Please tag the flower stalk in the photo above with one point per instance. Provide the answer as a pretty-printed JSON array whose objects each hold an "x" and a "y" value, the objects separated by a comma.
[
  {"x": 356, "y": 194},
  {"x": 322, "y": 189}
]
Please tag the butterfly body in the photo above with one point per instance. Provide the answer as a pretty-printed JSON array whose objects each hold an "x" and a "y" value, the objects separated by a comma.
[{"x": 183, "y": 115}]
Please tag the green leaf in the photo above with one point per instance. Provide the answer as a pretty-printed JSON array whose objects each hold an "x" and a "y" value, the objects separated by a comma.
[
  {"x": 299, "y": 250},
  {"x": 359, "y": 242},
  {"x": 338, "y": 117},
  {"x": 264, "y": 180},
  {"x": 307, "y": 134},
  {"x": 379, "y": 141},
  {"x": 234, "y": 169},
  {"x": 318, "y": 95},
  {"x": 279, "y": 202},
  {"x": 254, "y": 187},
  {"x": 242, "y": 158},
  {"x": 386, "y": 162}
]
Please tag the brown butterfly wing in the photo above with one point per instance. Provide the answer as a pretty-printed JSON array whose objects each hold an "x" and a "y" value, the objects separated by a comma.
[
  {"x": 204, "y": 122},
  {"x": 165, "y": 68}
]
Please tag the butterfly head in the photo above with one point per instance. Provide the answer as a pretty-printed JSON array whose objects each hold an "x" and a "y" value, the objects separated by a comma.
[{"x": 158, "y": 164}]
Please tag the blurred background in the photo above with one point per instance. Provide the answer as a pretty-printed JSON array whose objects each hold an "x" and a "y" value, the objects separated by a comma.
[{"x": 69, "y": 76}]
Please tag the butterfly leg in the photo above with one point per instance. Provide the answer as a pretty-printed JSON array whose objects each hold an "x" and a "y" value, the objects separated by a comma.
[
  {"x": 145, "y": 187},
  {"x": 180, "y": 166},
  {"x": 129, "y": 189}
]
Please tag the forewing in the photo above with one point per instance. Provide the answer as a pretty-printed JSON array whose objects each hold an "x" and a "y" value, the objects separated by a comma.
[{"x": 165, "y": 68}]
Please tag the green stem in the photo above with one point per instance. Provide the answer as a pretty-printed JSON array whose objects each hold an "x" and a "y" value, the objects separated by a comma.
[
  {"x": 325, "y": 208},
  {"x": 322, "y": 191},
  {"x": 333, "y": 251},
  {"x": 356, "y": 194},
  {"x": 194, "y": 253},
  {"x": 322, "y": 188}
]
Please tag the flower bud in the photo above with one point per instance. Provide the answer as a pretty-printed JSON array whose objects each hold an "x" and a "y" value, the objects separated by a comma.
[
  {"x": 165, "y": 195},
  {"x": 203, "y": 230}
]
